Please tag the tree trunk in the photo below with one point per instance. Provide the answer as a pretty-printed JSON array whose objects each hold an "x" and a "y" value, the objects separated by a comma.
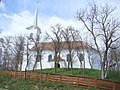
[
  {"x": 103, "y": 70},
  {"x": 55, "y": 67},
  {"x": 90, "y": 62},
  {"x": 40, "y": 64},
  {"x": 34, "y": 66},
  {"x": 102, "y": 74},
  {"x": 68, "y": 64},
  {"x": 55, "y": 59},
  {"x": 35, "y": 63},
  {"x": 21, "y": 61}
]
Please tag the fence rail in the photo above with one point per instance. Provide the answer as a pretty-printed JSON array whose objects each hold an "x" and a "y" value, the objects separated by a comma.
[{"x": 67, "y": 79}]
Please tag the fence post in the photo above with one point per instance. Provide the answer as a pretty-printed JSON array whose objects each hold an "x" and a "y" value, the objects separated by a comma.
[
  {"x": 14, "y": 74},
  {"x": 60, "y": 78},
  {"x": 95, "y": 81},
  {"x": 20, "y": 74},
  {"x": 7, "y": 72},
  {"x": 29, "y": 74},
  {"x": 77, "y": 80},
  {"x": 10, "y": 73},
  {"x": 48, "y": 77},
  {"x": 113, "y": 86},
  {"x": 38, "y": 76}
]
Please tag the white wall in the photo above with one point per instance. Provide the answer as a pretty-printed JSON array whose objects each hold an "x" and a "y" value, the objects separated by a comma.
[{"x": 63, "y": 64}]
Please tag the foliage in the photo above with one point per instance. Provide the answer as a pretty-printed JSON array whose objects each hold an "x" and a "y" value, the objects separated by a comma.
[{"x": 4, "y": 80}]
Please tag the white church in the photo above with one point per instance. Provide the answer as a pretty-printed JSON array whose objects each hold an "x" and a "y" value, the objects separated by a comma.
[{"x": 84, "y": 55}]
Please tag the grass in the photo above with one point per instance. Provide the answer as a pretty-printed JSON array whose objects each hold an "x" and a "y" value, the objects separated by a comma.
[
  {"x": 9, "y": 83},
  {"x": 113, "y": 76},
  {"x": 4, "y": 80},
  {"x": 21, "y": 84},
  {"x": 92, "y": 73}
]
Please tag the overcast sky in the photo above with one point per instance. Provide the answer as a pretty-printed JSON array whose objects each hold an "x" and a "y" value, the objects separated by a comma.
[{"x": 16, "y": 15}]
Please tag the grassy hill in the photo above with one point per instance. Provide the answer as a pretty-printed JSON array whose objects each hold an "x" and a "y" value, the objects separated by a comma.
[{"x": 9, "y": 83}]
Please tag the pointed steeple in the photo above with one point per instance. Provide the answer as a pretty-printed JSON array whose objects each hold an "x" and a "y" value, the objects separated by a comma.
[
  {"x": 35, "y": 24},
  {"x": 36, "y": 16}
]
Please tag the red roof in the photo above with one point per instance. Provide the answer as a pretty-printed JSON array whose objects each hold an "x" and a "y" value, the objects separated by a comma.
[{"x": 64, "y": 45}]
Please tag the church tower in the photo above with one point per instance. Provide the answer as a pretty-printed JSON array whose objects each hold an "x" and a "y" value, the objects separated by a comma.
[{"x": 35, "y": 24}]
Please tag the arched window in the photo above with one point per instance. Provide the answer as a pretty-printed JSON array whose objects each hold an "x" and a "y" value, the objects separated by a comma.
[{"x": 49, "y": 57}]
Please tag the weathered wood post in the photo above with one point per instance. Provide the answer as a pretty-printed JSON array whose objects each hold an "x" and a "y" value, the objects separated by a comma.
[
  {"x": 60, "y": 78},
  {"x": 95, "y": 82},
  {"x": 20, "y": 74},
  {"x": 45, "y": 77},
  {"x": 113, "y": 86},
  {"x": 37, "y": 76},
  {"x": 48, "y": 75},
  {"x": 14, "y": 74},
  {"x": 77, "y": 80}
]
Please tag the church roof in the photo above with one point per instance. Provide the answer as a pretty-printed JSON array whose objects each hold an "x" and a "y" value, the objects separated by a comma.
[{"x": 63, "y": 45}]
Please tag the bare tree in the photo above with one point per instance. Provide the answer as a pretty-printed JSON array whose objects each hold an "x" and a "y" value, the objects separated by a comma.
[
  {"x": 36, "y": 42},
  {"x": 103, "y": 27},
  {"x": 69, "y": 35},
  {"x": 57, "y": 40},
  {"x": 0, "y": 58},
  {"x": 114, "y": 57},
  {"x": 27, "y": 52},
  {"x": 40, "y": 53},
  {"x": 91, "y": 53},
  {"x": 80, "y": 50},
  {"x": 39, "y": 47},
  {"x": 6, "y": 45},
  {"x": 1, "y": 53},
  {"x": 18, "y": 43}
]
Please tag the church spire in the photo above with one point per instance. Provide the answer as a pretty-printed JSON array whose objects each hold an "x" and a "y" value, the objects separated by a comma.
[
  {"x": 35, "y": 24},
  {"x": 36, "y": 16}
]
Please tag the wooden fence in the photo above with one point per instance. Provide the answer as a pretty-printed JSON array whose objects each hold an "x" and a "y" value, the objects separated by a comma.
[{"x": 67, "y": 79}]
